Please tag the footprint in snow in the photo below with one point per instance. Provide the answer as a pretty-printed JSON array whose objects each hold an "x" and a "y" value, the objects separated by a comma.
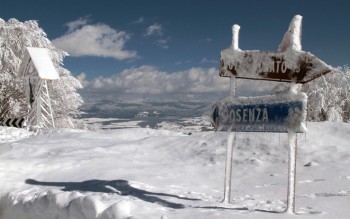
[
  {"x": 307, "y": 210},
  {"x": 311, "y": 164},
  {"x": 345, "y": 177},
  {"x": 332, "y": 194},
  {"x": 266, "y": 185},
  {"x": 325, "y": 194},
  {"x": 311, "y": 180}
]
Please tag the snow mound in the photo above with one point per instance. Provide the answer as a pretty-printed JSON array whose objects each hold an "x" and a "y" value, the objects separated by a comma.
[
  {"x": 34, "y": 203},
  {"x": 10, "y": 134}
]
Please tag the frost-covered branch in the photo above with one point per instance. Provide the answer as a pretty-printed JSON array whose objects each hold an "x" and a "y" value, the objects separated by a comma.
[{"x": 329, "y": 96}]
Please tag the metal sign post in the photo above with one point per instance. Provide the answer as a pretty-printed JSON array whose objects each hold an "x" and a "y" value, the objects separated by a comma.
[
  {"x": 255, "y": 115},
  {"x": 231, "y": 140},
  {"x": 292, "y": 170},
  {"x": 281, "y": 113}
]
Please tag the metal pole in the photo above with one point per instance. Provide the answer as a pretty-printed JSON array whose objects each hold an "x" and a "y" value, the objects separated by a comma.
[
  {"x": 231, "y": 140},
  {"x": 292, "y": 138},
  {"x": 38, "y": 104},
  {"x": 233, "y": 86}
]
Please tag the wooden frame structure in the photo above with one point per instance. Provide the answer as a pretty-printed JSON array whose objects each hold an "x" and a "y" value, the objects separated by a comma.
[{"x": 36, "y": 68}]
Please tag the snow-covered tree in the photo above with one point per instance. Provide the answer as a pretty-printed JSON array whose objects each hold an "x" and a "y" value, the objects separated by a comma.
[
  {"x": 15, "y": 36},
  {"x": 329, "y": 96}
]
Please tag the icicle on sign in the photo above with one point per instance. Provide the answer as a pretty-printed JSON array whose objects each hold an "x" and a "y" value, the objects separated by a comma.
[{"x": 276, "y": 113}]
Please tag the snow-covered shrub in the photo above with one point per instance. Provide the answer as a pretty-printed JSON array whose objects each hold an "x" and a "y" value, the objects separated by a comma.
[
  {"x": 329, "y": 96},
  {"x": 10, "y": 91},
  {"x": 334, "y": 114},
  {"x": 15, "y": 36}
]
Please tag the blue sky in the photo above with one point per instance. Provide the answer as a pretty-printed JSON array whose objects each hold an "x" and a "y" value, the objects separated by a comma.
[{"x": 179, "y": 36}]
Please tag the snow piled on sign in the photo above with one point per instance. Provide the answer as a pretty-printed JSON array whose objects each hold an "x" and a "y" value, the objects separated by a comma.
[
  {"x": 235, "y": 36},
  {"x": 42, "y": 63},
  {"x": 292, "y": 38}
]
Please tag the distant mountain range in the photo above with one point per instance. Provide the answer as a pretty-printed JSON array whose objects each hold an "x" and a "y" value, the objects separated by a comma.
[{"x": 112, "y": 112}]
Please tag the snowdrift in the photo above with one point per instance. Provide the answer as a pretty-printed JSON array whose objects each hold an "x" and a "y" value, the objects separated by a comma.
[{"x": 148, "y": 173}]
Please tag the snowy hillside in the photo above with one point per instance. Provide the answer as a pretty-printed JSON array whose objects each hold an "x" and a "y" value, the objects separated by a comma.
[{"x": 148, "y": 173}]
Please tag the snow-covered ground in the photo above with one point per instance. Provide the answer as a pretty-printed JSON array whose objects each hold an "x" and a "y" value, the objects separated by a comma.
[{"x": 159, "y": 173}]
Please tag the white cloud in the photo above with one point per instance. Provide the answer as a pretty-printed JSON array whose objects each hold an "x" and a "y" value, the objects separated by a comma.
[
  {"x": 157, "y": 31},
  {"x": 140, "y": 20},
  {"x": 94, "y": 40},
  {"x": 163, "y": 43},
  {"x": 209, "y": 61},
  {"x": 206, "y": 40},
  {"x": 82, "y": 78},
  {"x": 73, "y": 25},
  {"x": 154, "y": 30},
  {"x": 183, "y": 62}
]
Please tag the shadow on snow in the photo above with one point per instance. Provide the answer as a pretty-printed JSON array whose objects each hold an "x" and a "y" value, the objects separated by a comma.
[{"x": 121, "y": 187}]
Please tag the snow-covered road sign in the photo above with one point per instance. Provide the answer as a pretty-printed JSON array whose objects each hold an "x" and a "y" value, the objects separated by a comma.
[
  {"x": 275, "y": 113},
  {"x": 36, "y": 68},
  {"x": 13, "y": 122},
  {"x": 254, "y": 116},
  {"x": 37, "y": 62},
  {"x": 289, "y": 64}
]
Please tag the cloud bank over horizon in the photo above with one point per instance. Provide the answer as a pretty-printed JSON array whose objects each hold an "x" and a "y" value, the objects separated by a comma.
[{"x": 149, "y": 80}]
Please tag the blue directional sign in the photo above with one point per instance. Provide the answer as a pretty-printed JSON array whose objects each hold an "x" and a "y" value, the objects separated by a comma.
[{"x": 263, "y": 117}]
